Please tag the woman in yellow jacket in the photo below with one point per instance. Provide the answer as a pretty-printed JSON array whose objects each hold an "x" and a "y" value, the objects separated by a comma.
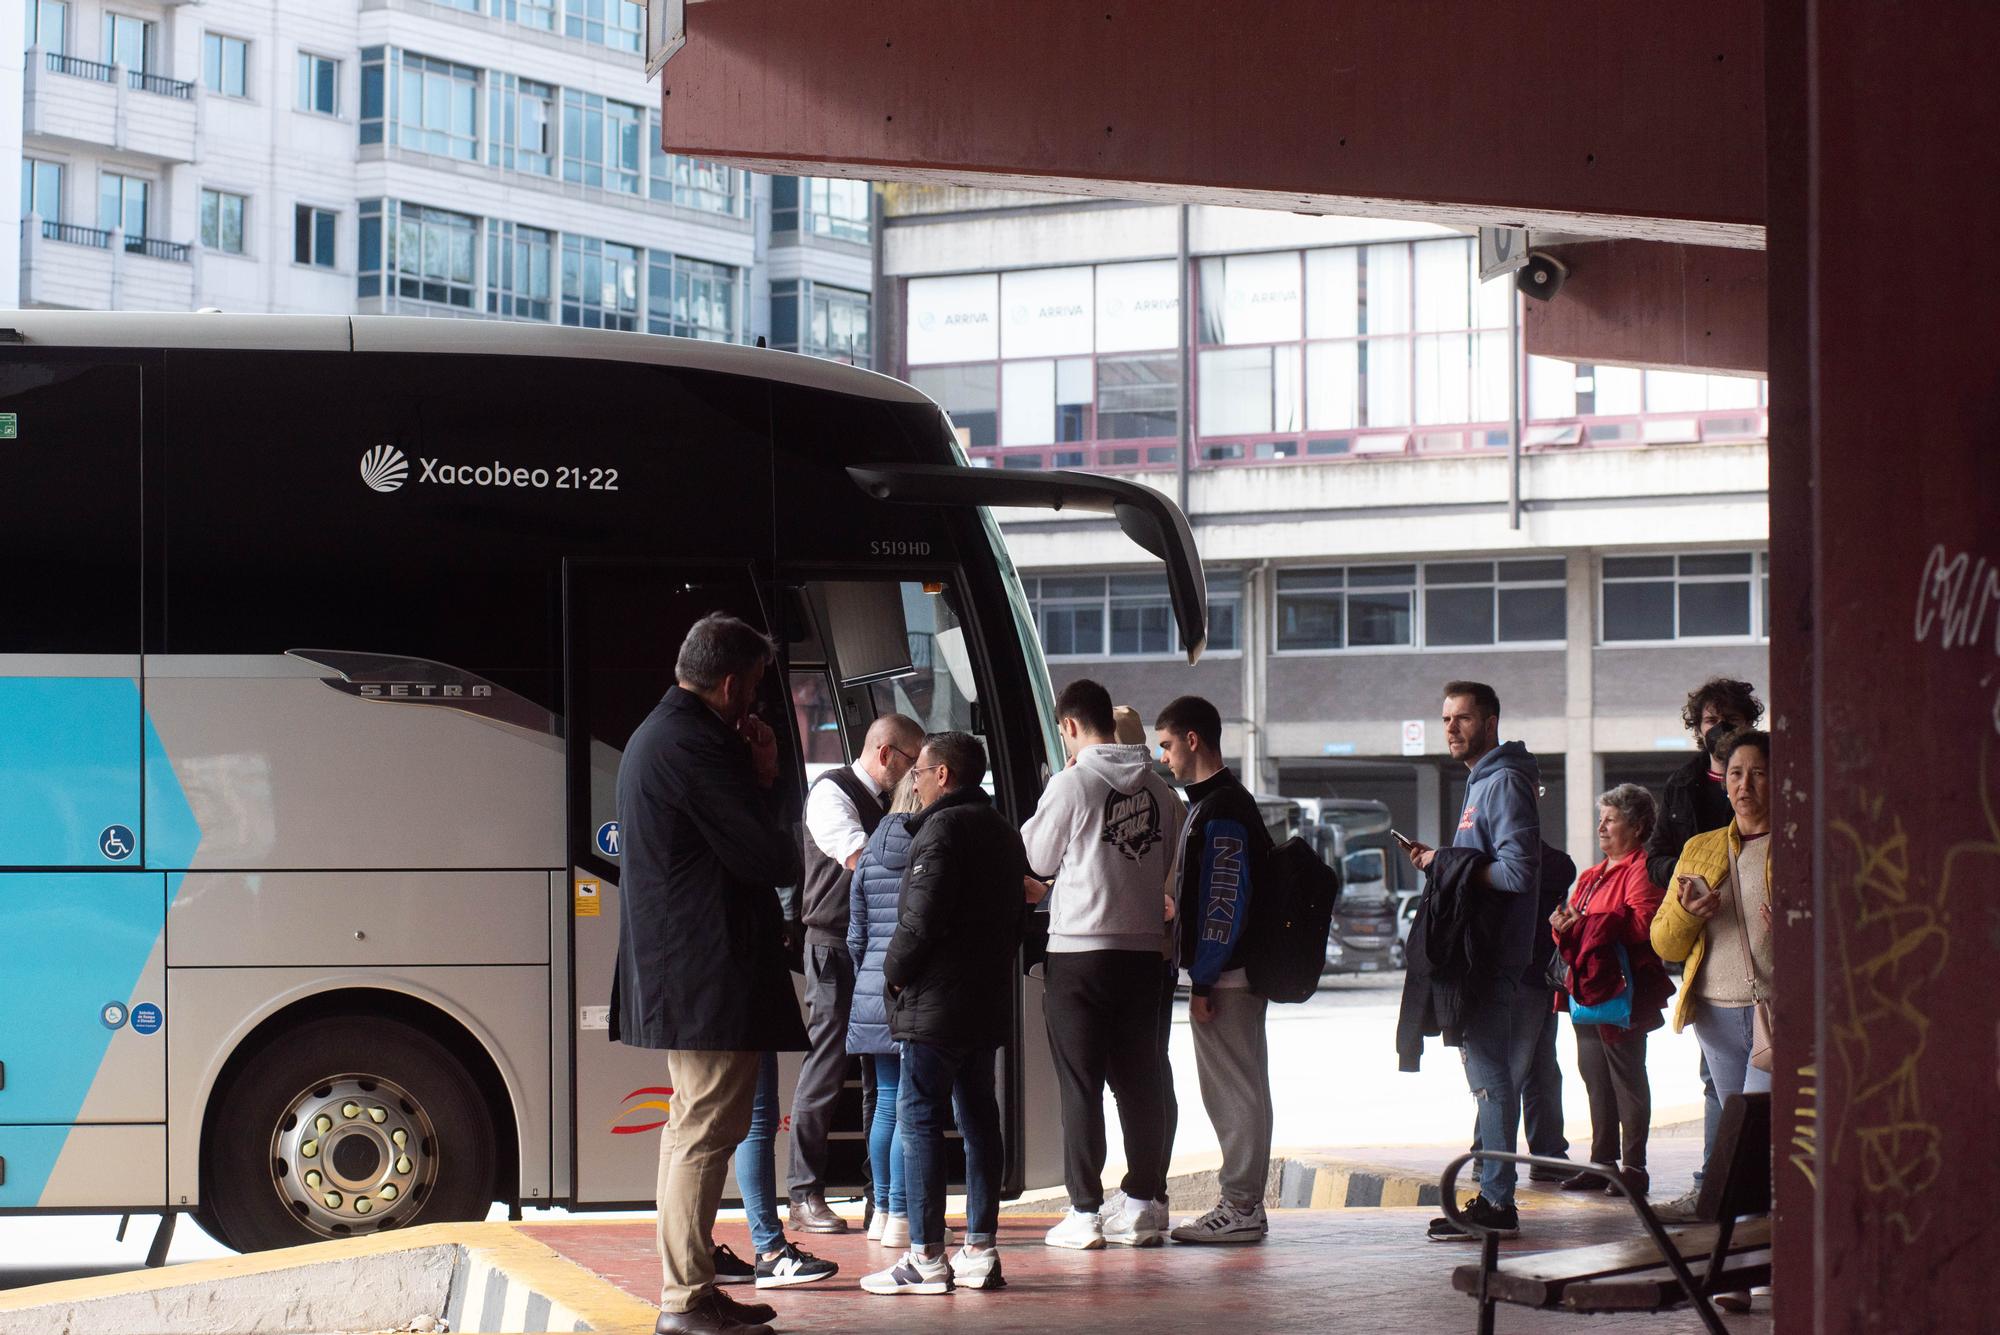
[{"x": 1717, "y": 917}]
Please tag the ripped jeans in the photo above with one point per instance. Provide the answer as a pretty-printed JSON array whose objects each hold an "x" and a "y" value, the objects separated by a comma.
[{"x": 1502, "y": 1030}]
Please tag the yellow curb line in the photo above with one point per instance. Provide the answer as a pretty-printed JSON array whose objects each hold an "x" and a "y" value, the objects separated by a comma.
[{"x": 566, "y": 1283}]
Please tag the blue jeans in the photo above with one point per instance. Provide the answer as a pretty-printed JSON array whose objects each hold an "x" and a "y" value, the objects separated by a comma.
[
  {"x": 757, "y": 1165},
  {"x": 1502, "y": 1031},
  {"x": 885, "y": 1146},
  {"x": 1725, "y": 1033},
  {"x": 935, "y": 1083}
]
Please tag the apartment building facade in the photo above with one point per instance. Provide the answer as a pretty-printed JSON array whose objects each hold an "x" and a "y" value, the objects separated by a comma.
[
  {"x": 1332, "y": 401},
  {"x": 460, "y": 158}
]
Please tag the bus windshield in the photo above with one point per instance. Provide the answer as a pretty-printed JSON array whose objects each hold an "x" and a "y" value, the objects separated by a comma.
[{"x": 1031, "y": 643}]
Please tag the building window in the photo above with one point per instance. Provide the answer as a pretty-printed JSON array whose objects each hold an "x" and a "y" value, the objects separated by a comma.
[
  {"x": 469, "y": 6},
  {"x": 319, "y": 84},
  {"x": 521, "y": 125},
  {"x": 225, "y": 65},
  {"x": 1351, "y": 607},
  {"x": 128, "y": 42},
  {"x": 1695, "y": 596},
  {"x": 1046, "y": 401},
  {"x": 826, "y": 206},
  {"x": 222, "y": 221},
  {"x": 1138, "y": 398},
  {"x": 1096, "y": 616},
  {"x": 618, "y": 24},
  {"x": 312, "y": 236},
  {"x": 122, "y": 201},
  {"x": 601, "y": 142},
  {"x": 424, "y": 104},
  {"x": 1469, "y": 603},
  {"x": 600, "y": 284},
  {"x": 833, "y": 322},
  {"x": 537, "y": 14},
  {"x": 520, "y": 265},
  {"x": 48, "y": 25},
  {"x": 42, "y": 189},
  {"x": 418, "y": 252},
  {"x": 690, "y": 298},
  {"x": 692, "y": 183},
  {"x": 968, "y": 394}
]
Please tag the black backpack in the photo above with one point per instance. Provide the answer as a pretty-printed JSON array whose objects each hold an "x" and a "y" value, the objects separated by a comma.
[{"x": 1292, "y": 917}]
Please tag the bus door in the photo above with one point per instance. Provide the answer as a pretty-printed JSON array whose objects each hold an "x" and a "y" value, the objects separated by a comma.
[
  {"x": 90, "y": 815},
  {"x": 624, "y": 624}
]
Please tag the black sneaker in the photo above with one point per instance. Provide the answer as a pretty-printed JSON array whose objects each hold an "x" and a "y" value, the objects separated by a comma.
[
  {"x": 1504, "y": 1220},
  {"x": 792, "y": 1266},
  {"x": 731, "y": 1268}
]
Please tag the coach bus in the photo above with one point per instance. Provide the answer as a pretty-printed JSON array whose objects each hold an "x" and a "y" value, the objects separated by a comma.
[{"x": 319, "y": 639}]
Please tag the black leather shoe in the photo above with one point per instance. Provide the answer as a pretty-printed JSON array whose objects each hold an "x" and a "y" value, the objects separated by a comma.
[
  {"x": 1636, "y": 1179},
  {"x": 1585, "y": 1182},
  {"x": 712, "y": 1314},
  {"x": 747, "y": 1314},
  {"x": 812, "y": 1215},
  {"x": 1540, "y": 1174}
]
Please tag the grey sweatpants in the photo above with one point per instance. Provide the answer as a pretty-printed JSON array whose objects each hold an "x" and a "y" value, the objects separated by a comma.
[{"x": 1234, "y": 1064}]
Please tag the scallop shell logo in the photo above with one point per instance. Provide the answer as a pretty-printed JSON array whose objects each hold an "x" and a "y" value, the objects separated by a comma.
[{"x": 384, "y": 468}]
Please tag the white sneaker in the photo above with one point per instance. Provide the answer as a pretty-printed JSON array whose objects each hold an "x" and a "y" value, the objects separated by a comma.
[
  {"x": 1080, "y": 1231},
  {"x": 911, "y": 1274},
  {"x": 895, "y": 1234},
  {"x": 1226, "y": 1223},
  {"x": 875, "y": 1226},
  {"x": 1114, "y": 1203},
  {"x": 977, "y": 1270},
  {"x": 1136, "y": 1224}
]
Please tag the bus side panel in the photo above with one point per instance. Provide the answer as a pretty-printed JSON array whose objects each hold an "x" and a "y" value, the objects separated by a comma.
[
  {"x": 504, "y": 1008},
  {"x": 88, "y": 1167},
  {"x": 69, "y": 762}
]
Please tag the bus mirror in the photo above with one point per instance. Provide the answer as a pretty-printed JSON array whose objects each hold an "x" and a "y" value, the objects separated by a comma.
[{"x": 951, "y": 648}]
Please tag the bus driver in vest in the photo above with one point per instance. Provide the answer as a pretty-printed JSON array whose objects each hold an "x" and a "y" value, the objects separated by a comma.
[{"x": 842, "y": 810}]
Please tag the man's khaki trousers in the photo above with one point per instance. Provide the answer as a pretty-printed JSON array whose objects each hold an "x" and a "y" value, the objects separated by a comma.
[{"x": 710, "y": 1115}]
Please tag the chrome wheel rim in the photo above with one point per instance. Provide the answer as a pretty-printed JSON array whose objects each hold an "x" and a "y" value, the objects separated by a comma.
[{"x": 354, "y": 1154}]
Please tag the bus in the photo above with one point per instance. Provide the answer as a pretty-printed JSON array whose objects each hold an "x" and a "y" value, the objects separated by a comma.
[
  {"x": 319, "y": 640},
  {"x": 1352, "y": 836}
]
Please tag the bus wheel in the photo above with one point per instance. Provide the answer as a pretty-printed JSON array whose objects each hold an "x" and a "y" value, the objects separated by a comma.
[{"x": 342, "y": 1127}]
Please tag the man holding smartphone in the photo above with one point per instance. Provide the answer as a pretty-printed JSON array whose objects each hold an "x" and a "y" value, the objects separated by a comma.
[{"x": 1503, "y": 1014}]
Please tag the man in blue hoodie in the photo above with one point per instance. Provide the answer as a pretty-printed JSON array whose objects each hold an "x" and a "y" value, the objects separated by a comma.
[{"x": 1503, "y": 1013}]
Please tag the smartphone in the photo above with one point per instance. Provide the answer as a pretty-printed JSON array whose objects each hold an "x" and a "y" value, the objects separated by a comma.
[{"x": 1402, "y": 838}]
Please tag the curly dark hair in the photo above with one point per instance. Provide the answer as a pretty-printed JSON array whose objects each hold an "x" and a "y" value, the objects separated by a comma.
[{"x": 1728, "y": 695}]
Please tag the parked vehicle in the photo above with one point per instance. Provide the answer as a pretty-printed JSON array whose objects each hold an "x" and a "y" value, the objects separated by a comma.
[{"x": 1353, "y": 835}]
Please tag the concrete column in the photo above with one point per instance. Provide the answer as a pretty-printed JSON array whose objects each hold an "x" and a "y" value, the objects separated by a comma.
[{"x": 1583, "y": 768}]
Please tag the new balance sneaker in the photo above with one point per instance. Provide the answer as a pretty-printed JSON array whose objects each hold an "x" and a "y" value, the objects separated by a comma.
[
  {"x": 1080, "y": 1231},
  {"x": 875, "y": 1225},
  {"x": 977, "y": 1269},
  {"x": 731, "y": 1268},
  {"x": 1501, "y": 1219},
  {"x": 1679, "y": 1210},
  {"x": 1135, "y": 1223},
  {"x": 792, "y": 1266},
  {"x": 1227, "y": 1222},
  {"x": 911, "y": 1274}
]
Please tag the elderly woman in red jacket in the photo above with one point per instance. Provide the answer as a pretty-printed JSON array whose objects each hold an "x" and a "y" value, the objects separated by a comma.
[{"x": 1612, "y": 906}]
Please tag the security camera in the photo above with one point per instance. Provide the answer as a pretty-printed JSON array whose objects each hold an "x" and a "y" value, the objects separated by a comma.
[{"x": 1542, "y": 276}]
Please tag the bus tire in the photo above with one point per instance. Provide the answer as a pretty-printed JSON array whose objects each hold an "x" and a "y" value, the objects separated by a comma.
[{"x": 345, "y": 1126}]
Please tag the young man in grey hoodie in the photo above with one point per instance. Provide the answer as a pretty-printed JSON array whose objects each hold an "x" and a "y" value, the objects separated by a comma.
[
  {"x": 1504, "y": 1013},
  {"x": 1106, "y": 833}
]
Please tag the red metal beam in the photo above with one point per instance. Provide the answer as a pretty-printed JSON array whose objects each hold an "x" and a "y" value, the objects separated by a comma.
[
  {"x": 1641, "y": 303},
  {"x": 1632, "y": 120}
]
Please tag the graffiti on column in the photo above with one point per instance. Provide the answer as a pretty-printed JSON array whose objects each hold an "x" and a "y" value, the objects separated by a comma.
[
  {"x": 1959, "y": 597},
  {"x": 1805, "y": 1127}
]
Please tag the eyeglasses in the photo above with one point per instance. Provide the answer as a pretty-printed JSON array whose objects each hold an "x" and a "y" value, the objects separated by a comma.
[
  {"x": 901, "y": 752},
  {"x": 921, "y": 769}
]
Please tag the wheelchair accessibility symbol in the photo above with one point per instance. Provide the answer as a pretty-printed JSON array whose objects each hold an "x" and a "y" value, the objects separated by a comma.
[
  {"x": 608, "y": 842},
  {"x": 117, "y": 843}
]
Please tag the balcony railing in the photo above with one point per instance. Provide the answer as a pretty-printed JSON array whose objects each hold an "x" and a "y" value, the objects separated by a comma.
[
  {"x": 79, "y": 68},
  {"x": 1716, "y": 426},
  {"x": 159, "y": 250},
  {"x": 158, "y": 83},
  {"x": 70, "y": 234}
]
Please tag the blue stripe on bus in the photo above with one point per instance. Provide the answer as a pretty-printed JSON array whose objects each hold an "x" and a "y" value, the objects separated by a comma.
[
  {"x": 78, "y": 941},
  {"x": 69, "y": 766}
]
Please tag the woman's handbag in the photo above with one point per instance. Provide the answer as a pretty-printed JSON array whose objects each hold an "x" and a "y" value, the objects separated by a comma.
[{"x": 1615, "y": 1010}]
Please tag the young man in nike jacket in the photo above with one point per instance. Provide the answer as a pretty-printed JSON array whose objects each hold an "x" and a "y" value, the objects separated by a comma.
[{"x": 1222, "y": 850}]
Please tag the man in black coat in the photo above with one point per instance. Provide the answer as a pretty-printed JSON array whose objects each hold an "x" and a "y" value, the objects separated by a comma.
[
  {"x": 950, "y": 968},
  {"x": 702, "y": 971}
]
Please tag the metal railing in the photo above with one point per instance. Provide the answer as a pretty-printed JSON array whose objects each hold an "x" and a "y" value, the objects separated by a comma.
[
  {"x": 77, "y": 67},
  {"x": 70, "y": 234},
  {"x": 159, "y": 250},
  {"x": 159, "y": 83}
]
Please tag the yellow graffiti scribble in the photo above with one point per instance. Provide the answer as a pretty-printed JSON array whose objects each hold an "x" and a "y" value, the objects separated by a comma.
[
  {"x": 1892, "y": 945},
  {"x": 1805, "y": 1132}
]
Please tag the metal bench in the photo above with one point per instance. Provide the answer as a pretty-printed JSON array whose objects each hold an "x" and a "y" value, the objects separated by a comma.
[{"x": 1726, "y": 1249}]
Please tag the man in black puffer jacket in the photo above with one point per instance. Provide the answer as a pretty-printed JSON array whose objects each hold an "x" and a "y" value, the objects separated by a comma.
[{"x": 951, "y": 969}]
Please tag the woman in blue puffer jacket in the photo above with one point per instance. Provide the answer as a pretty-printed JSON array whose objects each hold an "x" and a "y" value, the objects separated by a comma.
[{"x": 871, "y": 921}]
